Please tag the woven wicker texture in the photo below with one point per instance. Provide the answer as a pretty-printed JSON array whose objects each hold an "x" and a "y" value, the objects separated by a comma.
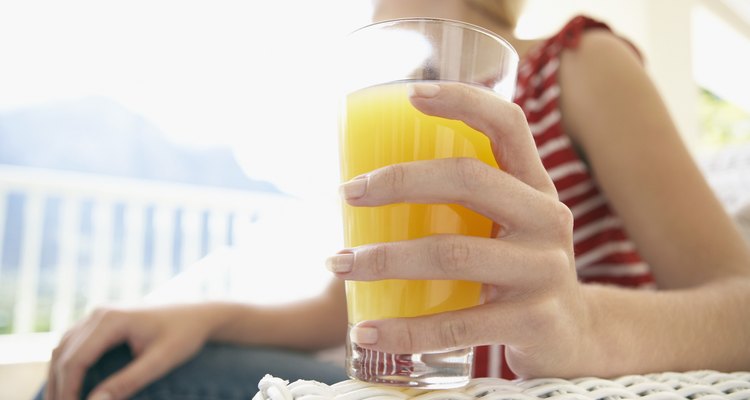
[{"x": 706, "y": 385}]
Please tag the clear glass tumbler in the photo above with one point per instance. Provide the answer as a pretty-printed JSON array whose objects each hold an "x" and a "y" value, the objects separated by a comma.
[{"x": 379, "y": 127}]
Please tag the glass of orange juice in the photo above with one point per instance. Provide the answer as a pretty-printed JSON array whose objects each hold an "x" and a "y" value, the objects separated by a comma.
[{"x": 379, "y": 127}]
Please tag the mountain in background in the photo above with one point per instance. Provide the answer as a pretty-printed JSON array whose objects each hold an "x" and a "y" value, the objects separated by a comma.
[{"x": 98, "y": 135}]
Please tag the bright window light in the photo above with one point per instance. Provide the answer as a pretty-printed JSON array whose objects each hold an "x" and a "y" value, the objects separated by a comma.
[
  {"x": 253, "y": 75},
  {"x": 713, "y": 70}
]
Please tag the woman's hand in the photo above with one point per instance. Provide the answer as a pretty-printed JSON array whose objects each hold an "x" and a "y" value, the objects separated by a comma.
[
  {"x": 160, "y": 339},
  {"x": 533, "y": 301}
]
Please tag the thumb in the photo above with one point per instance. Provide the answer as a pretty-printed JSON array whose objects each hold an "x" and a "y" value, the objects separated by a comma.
[{"x": 149, "y": 366}]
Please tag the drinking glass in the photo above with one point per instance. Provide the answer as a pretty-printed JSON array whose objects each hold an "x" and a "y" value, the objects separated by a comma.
[{"x": 380, "y": 127}]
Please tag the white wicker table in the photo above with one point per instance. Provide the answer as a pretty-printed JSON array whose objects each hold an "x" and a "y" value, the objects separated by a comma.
[{"x": 705, "y": 385}]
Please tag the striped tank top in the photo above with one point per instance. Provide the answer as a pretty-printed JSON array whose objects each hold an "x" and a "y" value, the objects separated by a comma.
[{"x": 604, "y": 253}]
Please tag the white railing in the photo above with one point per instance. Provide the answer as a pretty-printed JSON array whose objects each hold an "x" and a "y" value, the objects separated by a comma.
[
  {"x": 123, "y": 240},
  {"x": 70, "y": 241}
]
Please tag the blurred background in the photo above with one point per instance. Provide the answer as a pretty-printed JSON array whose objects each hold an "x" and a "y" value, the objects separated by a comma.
[{"x": 157, "y": 151}]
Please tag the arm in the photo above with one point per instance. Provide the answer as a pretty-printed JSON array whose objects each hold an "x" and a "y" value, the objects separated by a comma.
[
  {"x": 162, "y": 338},
  {"x": 550, "y": 324},
  {"x": 612, "y": 110},
  {"x": 705, "y": 327},
  {"x": 310, "y": 325}
]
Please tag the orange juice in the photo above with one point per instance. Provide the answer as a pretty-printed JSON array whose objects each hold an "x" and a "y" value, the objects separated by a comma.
[{"x": 380, "y": 127}]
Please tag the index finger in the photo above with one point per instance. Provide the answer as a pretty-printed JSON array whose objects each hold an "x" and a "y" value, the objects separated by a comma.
[
  {"x": 503, "y": 122},
  {"x": 145, "y": 368},
  {"x": 83, "y": 350}
]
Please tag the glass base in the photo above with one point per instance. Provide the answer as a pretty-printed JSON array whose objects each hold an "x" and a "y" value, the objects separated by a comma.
[{"x": 439, "y": 370}]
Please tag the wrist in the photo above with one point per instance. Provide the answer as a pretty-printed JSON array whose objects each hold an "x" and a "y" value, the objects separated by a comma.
[
  {"x": 607, "y": 350},
  {"x": 635, "y": 331},
  {"x": 221, "y": 320}
]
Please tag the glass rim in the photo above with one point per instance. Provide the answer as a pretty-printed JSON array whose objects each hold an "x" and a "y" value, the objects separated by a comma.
[{"x": 466, "y": 25}]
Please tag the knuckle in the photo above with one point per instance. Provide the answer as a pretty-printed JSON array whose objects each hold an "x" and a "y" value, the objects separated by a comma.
[
  {"x": 66, "y": 364},
  {"x": 98, "y": 312},
  {"x": 393, "y": 177},
  {"x": 564, "y": 217},
  {"x": 103, "y": 313},
  {"x": 56, "y": 352},
  {"x": 472, "y": 174},
  {"x": 406, "y": 340},
  {"x": 561, "y": 221},
  {"x": 451, "y": 254},
  {"x": 453, "y": 333},
  {"x": 540, "y": 317},
  {"x": 378, "y": 260},
  {"x": 517, "y": 113},
  {"x": 467, "y": 95},
  {"x": 558, "y": 262},
  {"x": 111, "y": 317}
]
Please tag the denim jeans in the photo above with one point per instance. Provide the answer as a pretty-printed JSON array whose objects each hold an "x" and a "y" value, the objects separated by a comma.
[{"x": 218, "y": 372}]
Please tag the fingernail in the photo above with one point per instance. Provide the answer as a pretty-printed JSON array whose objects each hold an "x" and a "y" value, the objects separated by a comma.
[
  {"x": 363, "y": 335},
  {"x": 101, "y": 396},
  {"x": 424, "y": 90},
  {"x": 340, "y": 263},
  {"x": 355, "y": 188}
]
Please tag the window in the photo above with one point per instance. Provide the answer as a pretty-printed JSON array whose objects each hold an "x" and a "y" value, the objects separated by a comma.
[
  {"x": 182, "y": 121},
  {"x": 720, "y": 69}
]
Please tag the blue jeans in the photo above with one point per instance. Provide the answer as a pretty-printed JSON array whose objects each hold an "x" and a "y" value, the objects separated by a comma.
[{"x": 218, "y": 372}]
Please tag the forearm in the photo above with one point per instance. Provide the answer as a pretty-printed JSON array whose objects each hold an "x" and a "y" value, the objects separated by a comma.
[
  {"x": 706, "y": 327},
  {"x": 312, "y": 324}
]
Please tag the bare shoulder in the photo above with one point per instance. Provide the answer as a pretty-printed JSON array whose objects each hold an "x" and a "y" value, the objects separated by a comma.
[
  {"x": 599, "y": 47},
  {"x": 603, "y": 76}
]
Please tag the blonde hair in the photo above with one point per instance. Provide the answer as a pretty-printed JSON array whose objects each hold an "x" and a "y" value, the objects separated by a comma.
[{"x": 506, "y": 12}]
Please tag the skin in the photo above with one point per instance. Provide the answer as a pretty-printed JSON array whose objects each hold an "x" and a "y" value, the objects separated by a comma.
[{"x": 551, "y": 324}]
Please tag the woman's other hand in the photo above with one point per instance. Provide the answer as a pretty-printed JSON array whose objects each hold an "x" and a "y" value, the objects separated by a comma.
[{"x": 160, "y": 339}]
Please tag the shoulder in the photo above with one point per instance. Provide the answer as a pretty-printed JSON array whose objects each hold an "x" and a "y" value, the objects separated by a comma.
[
  {"x": 588, "y": 42},
  {"x": 603, "y": 74},
  {"x": 580, "y": 47},
  {"x": 601, "y": 51},
  {"x": 601, "y": 65}
]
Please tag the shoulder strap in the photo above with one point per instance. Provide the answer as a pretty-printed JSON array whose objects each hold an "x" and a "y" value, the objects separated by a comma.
[{"x": 570, "y": 35}]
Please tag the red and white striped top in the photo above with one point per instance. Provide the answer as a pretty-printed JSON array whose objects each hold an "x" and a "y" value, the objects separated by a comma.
[{"x": 604, "y": 253}]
